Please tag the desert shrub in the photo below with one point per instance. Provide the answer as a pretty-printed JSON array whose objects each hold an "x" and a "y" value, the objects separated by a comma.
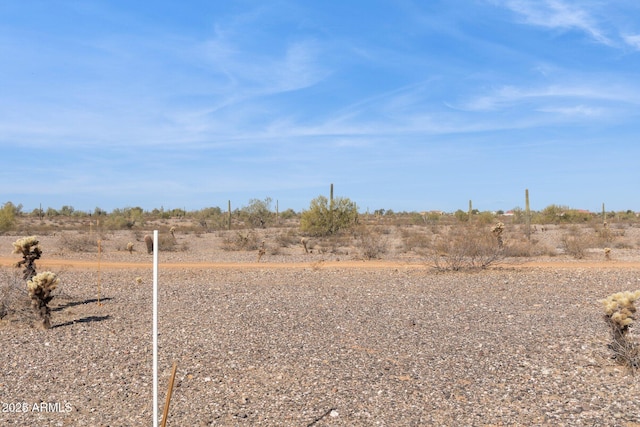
[
  {"x": 337, "y": 244},
  {"x": 13, "y": 296},
  {"x": 620, "y": 314},
  {"x": 287, "y": 238},
  {"x": 416, "y": 240},
  {"x": 370, "y": 243},
  {"x": 466, "y": 247},
  {"x": 258, "y": 213},
  {"x": 323, "y": 218},
  {"x": 524, "y": 248},
  {"x": 79, "y": 242},
  {"x": 7, "y": 216},
  {"x": 239, "y": 241},
  {"x": 167, "y": 243},
  {"x": 575, "y": 243}
]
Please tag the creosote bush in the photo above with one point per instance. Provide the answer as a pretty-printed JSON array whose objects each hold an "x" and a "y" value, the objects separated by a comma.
[
  {"x": 40, "y": 287},
  {"x": 620, "y": 313}
]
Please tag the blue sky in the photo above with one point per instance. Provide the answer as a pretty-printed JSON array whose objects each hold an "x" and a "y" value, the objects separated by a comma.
[{"x": 403, "y": 105}]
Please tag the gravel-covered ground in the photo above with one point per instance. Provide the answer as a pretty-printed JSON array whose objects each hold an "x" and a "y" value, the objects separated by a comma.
[{"x": 318, "y": 345}]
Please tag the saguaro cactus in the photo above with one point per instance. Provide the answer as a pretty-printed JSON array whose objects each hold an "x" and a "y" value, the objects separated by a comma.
[
  {"x": 331, "y": 225},
  {"x": 527, "y": 213}
]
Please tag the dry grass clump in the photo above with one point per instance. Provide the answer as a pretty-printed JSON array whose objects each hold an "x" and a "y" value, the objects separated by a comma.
[{"x": 620, "y": 313}]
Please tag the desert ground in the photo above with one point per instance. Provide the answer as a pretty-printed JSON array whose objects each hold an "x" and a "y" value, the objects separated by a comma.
[{"x": 325, "y": 338}]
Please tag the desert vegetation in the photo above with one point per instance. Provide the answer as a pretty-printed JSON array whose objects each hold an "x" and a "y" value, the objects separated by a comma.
[
  {"x": 620, "y": 315},
  {"x": 379, "y": 311}
]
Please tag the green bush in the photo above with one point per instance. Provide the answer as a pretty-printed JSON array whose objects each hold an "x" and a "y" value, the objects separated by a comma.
[
  {"x": 323, "y": 218},
  {"x": 7, "y": 216}
]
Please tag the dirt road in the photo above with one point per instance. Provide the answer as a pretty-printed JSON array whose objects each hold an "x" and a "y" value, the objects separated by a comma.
[{"x": 91, "y": 264}]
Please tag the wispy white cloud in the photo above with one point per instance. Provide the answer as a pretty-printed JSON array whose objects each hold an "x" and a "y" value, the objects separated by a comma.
[
  {"x": 559, "y": 14},
  {"x": 632, "y": 40},
  {"x": 509, "y": 96}
]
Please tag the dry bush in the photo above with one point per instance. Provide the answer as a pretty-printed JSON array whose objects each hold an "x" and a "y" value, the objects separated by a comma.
[
  {"x": 14, "y": 301},
  {"x": 337, "y": 244},
  {"x": 524, "y": 248},
  {"x": 575, "y": 243},
  {"x": 370, "y": 243},
  {"x": 288, "y": 238},
  {"x": 240, "y": 241},
  {"x": 466, "y": 247},
  {"x": 79, "y": 242},
  {"x": 416, "y": 240},
  {"x": 166, "y": 243}
]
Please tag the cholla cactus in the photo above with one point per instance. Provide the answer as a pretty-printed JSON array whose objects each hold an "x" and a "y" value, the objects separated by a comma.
[
  {"x": 40, "y": 287},
  {"x": 130, "y": 247},
  {"x": 607, "y": 253},
  {"x": 30, "y": 251},
  {"x": 172, "y": 230},
  {"x": 497, "y": 231},
  {"x": 620, "y": 313}
]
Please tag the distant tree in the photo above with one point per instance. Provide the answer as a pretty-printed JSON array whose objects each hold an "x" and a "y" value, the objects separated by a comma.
[
  {"x": 98, "y": 211},
  {"x": 7, "y": 216},
  {"x": 288, "y": 214},
  {"x": 322, "y": 219},
  {"x": 258, "y": 212},
  {"x": 461, "y": 215},
  {"x": 67, "y": 210}
]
